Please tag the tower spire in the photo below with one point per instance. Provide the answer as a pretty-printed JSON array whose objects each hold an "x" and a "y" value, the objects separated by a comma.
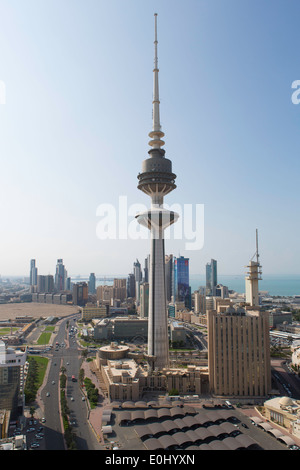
[{"x": 156, "y": 132}]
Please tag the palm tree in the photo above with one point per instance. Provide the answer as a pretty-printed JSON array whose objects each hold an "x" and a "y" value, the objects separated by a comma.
[{"x": 32, "y": 411}]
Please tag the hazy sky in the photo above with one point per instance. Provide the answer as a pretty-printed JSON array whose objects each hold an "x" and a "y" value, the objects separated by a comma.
[{"x": 78, "y": 109}]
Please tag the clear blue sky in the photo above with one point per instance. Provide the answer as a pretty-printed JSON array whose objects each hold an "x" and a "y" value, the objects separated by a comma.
[{"x": 74, "y": 128}]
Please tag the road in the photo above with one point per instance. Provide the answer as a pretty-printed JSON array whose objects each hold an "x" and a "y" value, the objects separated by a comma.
[
  {"x": 70, "y": 358},
  {"x": 288, "y": 383}
]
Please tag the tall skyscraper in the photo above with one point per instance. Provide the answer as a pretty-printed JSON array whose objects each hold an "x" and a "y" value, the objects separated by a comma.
[
  {"x": 169, "y": 276},
  {"x": 157, "y": 180},
  {"x": 254, "y": 275},
  {"x": 146, "y": 269},
  {"x": 182, "y": 281},
  {"x": 92, "y": 284},
  {"x": 131, "y": 285},
  {"x": 211, "y": 277},
  {"x": 80, "y": 293},
  {"x": 33, "y": 275},
  {"x": 45, "y": 284},
  {"x": 144, "y": 300},
  {"x": 137, "y": 271},
  {"x": 60, "y": 276}
]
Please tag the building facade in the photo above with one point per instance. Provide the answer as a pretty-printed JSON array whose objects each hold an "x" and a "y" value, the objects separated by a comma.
[
  {"x": 239, "y": 353},
  {"x": 12, "y": 364},
  {"x": 182, "y": 291},
  {"x": 211, "y": 277}
]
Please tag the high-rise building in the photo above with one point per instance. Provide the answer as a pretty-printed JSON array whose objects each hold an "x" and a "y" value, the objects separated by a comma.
[
  {"x": 221, "y": 291},
  {"x": 33, "y": 273},
  {"x": 138, "y": 279},
  {"x": 146, "y": 269},
  {"x": 60, "y": 276},
  {"x": 131, "y": 286},
  {"x": 45, "y": 284},
  {"x": 169, "y": 270},
  {"x": 12, "y": 362},
  {"x": 80, "y": 294},
  {"x": 254, "y": 275},
  {"x": 199, "y": 302},
  {"x": 182, "y": 291},
  {"x": 211, "y": 277},
  {"x": 119, "y": 289},
  {"x": 92, "y": 283},
  {"x": 157, "y": 180},
  {"x": 144, "y": 300},
  {"x": 239, "y": 352}
]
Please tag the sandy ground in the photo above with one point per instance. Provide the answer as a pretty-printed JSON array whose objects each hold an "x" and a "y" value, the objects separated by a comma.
[{"x": 36, "y": 310}]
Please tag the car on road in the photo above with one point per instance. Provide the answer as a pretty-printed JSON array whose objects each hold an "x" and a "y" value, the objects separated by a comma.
[
  {"x": 35, "y": 444},
  {"x": 47, "y": 394},
  {"x": 72, "y": 399}
]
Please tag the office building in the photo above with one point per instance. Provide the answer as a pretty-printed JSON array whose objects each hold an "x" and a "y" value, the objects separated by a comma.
[
  {"x": 239, "y": 352},
  {"x": 33, "y": 273},
  {"x": 169, "y": 270},
  {"x": 199, "y": 302},
  {"x": 144, "y": 300},
  {"x": 119, "y": 289},
  {"x": 211, "y": 277},
  {"x": 109, "y": 294},
  {"x": 80, "y": 294},
  {"x": 45, "y": 284},
  {"x": 89, "y": 312},
  {"x": 12, "y": 365},
  {"x": 60, "y": 276},
  {"x": 157, "y": 180},
  {"x": 182, "y": 291},
  {"x": 92, "y": 284},
  {"x": 131, "y": 286},
  {"x": 137, "y": 271},
  {"x": 221, "y": 291}
]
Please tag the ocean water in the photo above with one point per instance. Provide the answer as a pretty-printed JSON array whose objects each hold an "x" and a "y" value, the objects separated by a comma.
[{"x": 281, "y": 285}]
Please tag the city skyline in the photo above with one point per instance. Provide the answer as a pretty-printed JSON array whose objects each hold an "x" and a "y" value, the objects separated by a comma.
[{"x": 74, "y": 98}]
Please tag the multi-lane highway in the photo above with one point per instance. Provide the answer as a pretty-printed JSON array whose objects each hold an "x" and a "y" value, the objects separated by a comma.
[{"x": 67, "y": 355}]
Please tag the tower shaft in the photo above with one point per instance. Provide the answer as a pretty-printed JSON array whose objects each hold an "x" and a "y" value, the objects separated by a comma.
[{"x": 157, "y": 180}]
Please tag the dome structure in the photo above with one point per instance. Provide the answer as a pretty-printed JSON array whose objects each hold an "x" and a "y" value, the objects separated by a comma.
[{"x": 286, "y": 401}]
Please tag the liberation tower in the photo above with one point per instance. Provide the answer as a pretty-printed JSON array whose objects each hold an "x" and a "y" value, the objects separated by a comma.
[{"x": 157, "y": 180}]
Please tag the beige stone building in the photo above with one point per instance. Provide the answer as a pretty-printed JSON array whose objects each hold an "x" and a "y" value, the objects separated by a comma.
[
  {"x": 124, "y": 379},
  {"x": 93, "y": 311},
  {"x": 239, "y": 353},
  {"x": 284, "y": 411}
]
